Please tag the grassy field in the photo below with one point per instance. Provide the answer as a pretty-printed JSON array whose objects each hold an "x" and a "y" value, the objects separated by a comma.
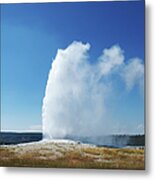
[{"x": 70, "y": 155}]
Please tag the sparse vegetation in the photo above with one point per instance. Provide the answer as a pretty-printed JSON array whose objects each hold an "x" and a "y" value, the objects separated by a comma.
[{"x": 71, "y": 156}]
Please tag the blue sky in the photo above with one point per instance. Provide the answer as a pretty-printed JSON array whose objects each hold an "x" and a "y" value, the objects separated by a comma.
[{"x": 31, "y": 35}]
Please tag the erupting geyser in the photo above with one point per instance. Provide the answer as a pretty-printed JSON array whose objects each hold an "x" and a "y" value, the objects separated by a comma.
[{"x": 76, "y": 91}]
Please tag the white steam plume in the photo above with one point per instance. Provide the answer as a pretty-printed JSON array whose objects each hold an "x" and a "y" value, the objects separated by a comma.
[{"x": 76, "y": 92}]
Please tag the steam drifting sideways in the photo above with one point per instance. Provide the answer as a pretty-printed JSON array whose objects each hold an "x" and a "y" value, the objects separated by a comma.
[{"x": 77, "y": 91}]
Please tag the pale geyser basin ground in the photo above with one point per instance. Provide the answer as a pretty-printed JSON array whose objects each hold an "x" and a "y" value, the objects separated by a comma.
[{"x": 70, "y": 154}]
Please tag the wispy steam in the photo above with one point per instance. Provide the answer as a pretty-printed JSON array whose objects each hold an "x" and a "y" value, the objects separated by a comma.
[{"x": 77, "y": 91}]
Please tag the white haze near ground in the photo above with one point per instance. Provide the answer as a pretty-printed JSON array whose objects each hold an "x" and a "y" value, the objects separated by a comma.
[
  {"x": 77, "y": 91},
  {"x": 149, "y": 173}
]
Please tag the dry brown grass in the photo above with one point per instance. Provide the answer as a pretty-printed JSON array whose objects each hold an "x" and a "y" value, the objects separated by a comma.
[{"x": 80, "y": 157}]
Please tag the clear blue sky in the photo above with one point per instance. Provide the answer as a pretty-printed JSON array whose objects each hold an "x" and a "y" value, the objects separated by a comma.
[{"x": 31, "y": 35}]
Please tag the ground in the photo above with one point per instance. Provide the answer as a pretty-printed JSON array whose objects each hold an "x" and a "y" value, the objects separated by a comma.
[{"x": 68, "y": 154}]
